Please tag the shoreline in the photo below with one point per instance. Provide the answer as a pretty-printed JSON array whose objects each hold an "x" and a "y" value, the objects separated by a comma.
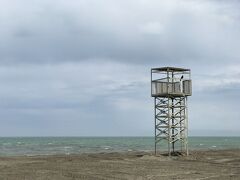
[
  {"x": 203, "y": 164},
  {"x": 149, "y": 152}
]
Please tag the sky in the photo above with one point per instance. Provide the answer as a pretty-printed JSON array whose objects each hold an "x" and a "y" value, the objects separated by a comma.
[{"x": 82, "y": 67}]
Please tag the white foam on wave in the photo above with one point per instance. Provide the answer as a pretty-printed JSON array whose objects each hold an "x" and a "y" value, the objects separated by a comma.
[
  {"x": 68, "y": 147},
  {"x": 106, "y": 147},
  {"x": 5, "y": 144},
  {"x": 30, "y": 155}
]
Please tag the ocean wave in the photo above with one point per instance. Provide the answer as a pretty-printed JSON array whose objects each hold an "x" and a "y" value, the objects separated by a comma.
[
  {"x": 67, "y": 147},
  {"x": 106, "y": 147}
]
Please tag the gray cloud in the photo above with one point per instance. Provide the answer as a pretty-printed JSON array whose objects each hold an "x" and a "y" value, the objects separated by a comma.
[
  {"x": 84, "y": 65},
  {"x": 136, "y": 32}
]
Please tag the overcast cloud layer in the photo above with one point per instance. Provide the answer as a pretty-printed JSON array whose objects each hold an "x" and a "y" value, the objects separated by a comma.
[{"x": 82, "y": 67}]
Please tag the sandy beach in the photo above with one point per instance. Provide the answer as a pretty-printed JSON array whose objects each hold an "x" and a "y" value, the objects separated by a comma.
[{"x": 219, "y": 164}]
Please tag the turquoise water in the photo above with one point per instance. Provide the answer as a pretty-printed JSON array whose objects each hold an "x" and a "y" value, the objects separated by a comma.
[{"x": 29, "y": 146}]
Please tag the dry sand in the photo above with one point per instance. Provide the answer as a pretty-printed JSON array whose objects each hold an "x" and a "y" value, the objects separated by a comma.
[{"x": 224, "y": 164}]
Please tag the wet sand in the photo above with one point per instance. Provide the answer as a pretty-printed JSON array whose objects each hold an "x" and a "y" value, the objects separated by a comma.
[{"x": 220, "y": 164}]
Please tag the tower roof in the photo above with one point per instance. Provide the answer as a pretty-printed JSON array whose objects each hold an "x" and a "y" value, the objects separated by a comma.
[{"x": 170, "y": 69}]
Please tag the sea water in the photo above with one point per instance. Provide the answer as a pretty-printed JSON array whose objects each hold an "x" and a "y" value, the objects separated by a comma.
[{"x": 30, "y": 146}]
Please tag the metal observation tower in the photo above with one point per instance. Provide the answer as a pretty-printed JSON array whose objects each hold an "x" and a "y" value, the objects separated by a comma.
[{"x": 170, "y": 87}]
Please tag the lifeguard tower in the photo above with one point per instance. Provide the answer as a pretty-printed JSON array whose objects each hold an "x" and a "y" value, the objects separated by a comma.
[{"x": 170, "y": 87}]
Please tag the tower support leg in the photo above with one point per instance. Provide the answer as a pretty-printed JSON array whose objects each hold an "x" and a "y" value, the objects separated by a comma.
[{"x": 171, "y": 123}]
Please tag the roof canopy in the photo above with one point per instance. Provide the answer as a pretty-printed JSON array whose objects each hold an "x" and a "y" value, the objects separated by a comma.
[{"x": 170, "y": 69}]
